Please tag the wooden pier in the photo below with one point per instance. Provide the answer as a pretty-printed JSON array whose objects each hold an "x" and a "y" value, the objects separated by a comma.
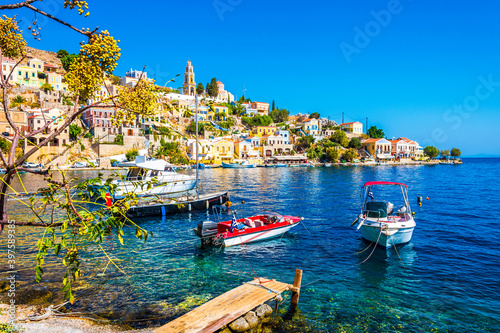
[{"x": 227, "y": 307}]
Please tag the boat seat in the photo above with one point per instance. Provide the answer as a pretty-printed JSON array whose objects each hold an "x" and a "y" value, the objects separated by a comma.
[
  {"x": 376, "y": 209},
  {"x": 249, "y": 222},
  {"x": 258, "y": 223}
]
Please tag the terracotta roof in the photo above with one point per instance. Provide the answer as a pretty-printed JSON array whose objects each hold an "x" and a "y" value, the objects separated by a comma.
[
  {"x": 353, "y": 122},
  {"x": 371, "y": 140}
]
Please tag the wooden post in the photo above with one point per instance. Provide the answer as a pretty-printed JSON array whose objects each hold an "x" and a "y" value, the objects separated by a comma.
[{"x": 296, "y": 288}]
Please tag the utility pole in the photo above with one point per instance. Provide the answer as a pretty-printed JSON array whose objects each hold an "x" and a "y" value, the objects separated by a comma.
[
  {"x": 342, "y": 117},
  {"x": 366, "y": 125}
]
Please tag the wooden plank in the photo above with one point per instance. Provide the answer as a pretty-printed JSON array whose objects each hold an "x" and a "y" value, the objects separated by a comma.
[{"x": 225, "y": 308}]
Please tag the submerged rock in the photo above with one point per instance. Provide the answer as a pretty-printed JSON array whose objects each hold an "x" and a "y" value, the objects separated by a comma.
[
  {"x": 239, "y": 325},
  {"x": 263, "y": 310}
]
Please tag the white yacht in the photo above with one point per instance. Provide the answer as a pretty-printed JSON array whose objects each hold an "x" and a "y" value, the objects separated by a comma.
[{"x": 168, "y": 182}]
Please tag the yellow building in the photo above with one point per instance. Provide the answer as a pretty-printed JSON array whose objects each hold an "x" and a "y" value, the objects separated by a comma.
[
  {"x": 222, "y": 151},
  {"x": 217, "y": 110},
  {"x": 263, "y": 130},
  {"x": 354, "y": 127},
  {"x": 27, "y": 76},
  {"x": 56, "y": 81},
  {"x": 378, "y": 148}
]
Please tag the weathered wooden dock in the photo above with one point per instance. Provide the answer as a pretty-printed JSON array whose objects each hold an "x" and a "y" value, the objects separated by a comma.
[{"x": 222, "y": 310}]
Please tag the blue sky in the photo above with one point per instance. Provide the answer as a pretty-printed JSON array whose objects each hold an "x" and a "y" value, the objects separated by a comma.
[{"x": 422, "y": 69}]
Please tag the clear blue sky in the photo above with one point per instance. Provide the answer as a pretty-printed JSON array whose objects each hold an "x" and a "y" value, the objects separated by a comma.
[{"x": 405, "y": 72}]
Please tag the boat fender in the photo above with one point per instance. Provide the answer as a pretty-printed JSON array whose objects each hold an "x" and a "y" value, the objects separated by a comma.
[
  {"x": 228, "y": 204},
  {"x": 413, "y": 213},
  {"x": 109, "y": 202},
  {"x": 242, "y": 201}
]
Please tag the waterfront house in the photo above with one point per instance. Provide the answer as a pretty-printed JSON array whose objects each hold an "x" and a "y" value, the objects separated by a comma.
[
  {"x": 414, "y": 149},
  {"x": 244, "y": 149},
  {"x": 223, "y": 151},
  {"x": 378, "y": 148},
  {"x": 353, "y": 127},
  {"x": 275, "y": 145},
  {"x": 399, "y": 148}
]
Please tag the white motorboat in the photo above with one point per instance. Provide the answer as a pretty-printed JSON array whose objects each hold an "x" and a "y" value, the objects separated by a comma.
[
  {"x": 245, "y": 230},
  {"x": 164, "y": 180},
  {"x": 379, "y": 222}
]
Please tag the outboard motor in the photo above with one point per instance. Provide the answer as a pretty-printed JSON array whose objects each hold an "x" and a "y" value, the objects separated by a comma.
[{"x": 206, "y": 231}]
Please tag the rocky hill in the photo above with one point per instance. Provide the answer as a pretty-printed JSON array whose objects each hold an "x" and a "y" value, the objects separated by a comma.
[{"x": 46, "y": 56}]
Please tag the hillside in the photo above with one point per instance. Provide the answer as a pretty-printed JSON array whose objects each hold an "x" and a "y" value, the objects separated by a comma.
[{"x": 46, "y": 56}]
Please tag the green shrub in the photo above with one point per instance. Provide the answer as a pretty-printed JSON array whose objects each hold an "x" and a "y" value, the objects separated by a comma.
[
  {"x": 131, "y": 154},
  {"x": 119, "y": 139}
]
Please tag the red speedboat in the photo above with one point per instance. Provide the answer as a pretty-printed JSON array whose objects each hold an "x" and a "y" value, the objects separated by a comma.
[{"x": 245, "y": 230}]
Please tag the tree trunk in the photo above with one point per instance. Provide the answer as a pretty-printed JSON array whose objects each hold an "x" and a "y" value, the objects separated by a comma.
[{"x": 3, "y": 197}]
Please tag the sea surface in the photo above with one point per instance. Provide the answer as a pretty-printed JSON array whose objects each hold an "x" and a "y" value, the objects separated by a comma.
[{"x": 447, "y": 279}]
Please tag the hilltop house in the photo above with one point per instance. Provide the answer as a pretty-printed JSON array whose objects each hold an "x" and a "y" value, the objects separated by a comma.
[{"x": 352, "y": 128}]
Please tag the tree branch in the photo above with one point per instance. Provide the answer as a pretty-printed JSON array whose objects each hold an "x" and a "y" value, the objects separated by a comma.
[
  {"x": 41, "y": 129},
  {"x": 17, "y": 5},
  {"x": 83, "y": 32}
]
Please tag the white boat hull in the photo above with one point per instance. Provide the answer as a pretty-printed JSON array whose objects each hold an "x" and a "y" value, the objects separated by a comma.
[
  {"x": 165, "y": 189},
  {"x": 257, "y": 236},
  {"x": 389, "y": 236}
]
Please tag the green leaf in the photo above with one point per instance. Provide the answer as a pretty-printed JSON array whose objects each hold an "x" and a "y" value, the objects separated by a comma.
[
  {"x": 120, "y": 238},
  {"x": 66, "y": 287}
]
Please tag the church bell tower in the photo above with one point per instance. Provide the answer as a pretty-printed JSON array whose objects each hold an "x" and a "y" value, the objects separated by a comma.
[{"x": 189, "y": 86}]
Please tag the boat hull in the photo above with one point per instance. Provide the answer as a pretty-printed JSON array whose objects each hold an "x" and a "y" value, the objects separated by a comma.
[
  {"x": 202, "y": 202},
  {"x": 257, "y": 236},
  {"x": 388, "y": 237},
  {"x": 237, "y": 166},
  {"x": 172, "y": 188}
]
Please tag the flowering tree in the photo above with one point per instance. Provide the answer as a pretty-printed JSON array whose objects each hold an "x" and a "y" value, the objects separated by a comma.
[{"x": 97, "y": 59}]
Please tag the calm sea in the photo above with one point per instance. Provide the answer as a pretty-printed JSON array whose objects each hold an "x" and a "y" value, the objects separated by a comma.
[{"x": 447, "y": 279}]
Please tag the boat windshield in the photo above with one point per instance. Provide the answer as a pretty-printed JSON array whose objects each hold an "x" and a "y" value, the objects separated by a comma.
[
  {"x": 384, "y": 201},
  {"x": 135, "y": 174},
  {"x": 272, "y": 216}
]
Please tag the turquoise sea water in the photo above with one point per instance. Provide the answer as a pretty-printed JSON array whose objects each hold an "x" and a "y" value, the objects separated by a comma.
[{"x": 446, "y": 279}]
